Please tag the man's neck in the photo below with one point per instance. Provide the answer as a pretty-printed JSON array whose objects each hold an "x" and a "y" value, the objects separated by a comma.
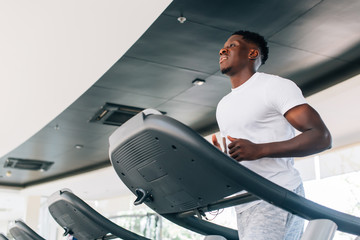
[{"x": 240, "y": 78}]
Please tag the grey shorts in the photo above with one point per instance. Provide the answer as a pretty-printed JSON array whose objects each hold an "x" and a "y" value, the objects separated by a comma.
[{"x": 268, "y": 222}]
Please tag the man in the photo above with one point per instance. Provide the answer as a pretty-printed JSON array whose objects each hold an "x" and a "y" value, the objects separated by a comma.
[{"x": 257, "y": 121}]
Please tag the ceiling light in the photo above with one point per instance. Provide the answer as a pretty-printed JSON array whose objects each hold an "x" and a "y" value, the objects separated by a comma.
[
  {"x": 181, "y": 19},
  {"x": 198, "y": 82},
  {"x": 79, "y": 146}
]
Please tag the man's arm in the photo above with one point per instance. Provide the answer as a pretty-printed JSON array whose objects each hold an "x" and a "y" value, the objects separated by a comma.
[{"x": 314, "y": 138}]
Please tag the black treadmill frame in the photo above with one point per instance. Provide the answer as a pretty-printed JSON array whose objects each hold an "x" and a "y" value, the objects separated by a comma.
[
  {"x": 149, "y": 152},
  {"x": 3, "y": 237},
  {"x": 75, "y": 216},
  {"x": 25, "y": 231}
]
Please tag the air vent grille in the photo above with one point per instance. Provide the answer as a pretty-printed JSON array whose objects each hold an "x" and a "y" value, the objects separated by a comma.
[
  {"x": 136, "y": 151},
  {"x": 27, "y": 164},
  {"x": 115, "y": 114}
]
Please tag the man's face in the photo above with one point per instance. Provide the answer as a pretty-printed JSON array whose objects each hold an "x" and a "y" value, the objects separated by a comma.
[{"x": 235, "y": 55}]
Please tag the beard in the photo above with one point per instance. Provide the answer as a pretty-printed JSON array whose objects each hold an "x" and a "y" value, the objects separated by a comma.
[{"x": 225, "y": 70}]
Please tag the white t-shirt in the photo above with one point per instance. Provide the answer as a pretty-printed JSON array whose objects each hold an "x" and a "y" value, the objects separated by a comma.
[{"x": 255, "y": 111}]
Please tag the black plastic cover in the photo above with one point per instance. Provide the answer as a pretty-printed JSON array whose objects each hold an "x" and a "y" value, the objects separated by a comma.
[{"x": 183, "y": 171}]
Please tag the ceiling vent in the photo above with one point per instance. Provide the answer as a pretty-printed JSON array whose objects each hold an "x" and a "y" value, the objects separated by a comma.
[
  {"x": 27, "y": 164},
  {"x": 115, "y": 114}
]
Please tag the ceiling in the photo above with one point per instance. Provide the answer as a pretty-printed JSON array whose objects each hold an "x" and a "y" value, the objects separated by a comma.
[
  {"x": 314, "y": 43},
  {"x": 52, "y": 52}
]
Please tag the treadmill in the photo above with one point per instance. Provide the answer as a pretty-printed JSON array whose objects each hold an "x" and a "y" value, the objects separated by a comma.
[
  {"x": 81, "y": 221},
  {"x": 177, "y": 173},
  {"x": 3, "y": 237},
  {"x": 21, "y": 231}
]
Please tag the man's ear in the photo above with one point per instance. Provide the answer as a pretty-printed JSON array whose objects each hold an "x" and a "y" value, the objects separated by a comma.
[{"x": 253, "y": 54}]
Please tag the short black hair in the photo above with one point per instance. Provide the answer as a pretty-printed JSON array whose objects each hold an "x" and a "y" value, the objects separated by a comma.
[{"x": 256, "y": 39}]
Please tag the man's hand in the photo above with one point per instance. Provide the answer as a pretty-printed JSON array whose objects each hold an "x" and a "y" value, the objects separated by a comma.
[
  {"x": 242, "y": 149},
  {"x": 215, "y": 142}
]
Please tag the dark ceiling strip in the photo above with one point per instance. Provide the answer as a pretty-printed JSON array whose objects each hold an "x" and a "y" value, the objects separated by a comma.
[
  {"x": 69, "y": 174},
  {"x": 3, "y": 184},
  {"x": 296, "y": 18},
  {"x": 332, "y": 78},
  {"x": 167, "y": 65},
  {"x": 307, "y": 51},
  {"x": 199, "y": 23}
]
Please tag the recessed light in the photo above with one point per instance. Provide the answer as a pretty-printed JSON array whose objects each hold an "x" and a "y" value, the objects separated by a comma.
[
  {"x": 181, "y": 19},
  {"x": 198, "y": 82},
  {"x": 79, "y": 146}
]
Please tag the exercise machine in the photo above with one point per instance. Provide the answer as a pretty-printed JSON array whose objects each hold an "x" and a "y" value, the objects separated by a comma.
[
  {"x": 180, "y": 175},
  {"x": 3, "y": 237},
  {"x": 81, "y": 221},
  {"x": 21, "y": 231}
]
